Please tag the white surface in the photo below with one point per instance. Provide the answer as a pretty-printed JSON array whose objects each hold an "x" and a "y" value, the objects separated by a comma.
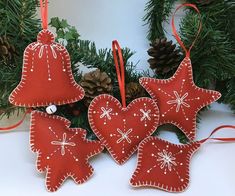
[{"x": 212, "y": 168}]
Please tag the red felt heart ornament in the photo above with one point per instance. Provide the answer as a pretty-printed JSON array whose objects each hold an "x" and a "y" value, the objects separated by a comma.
[{"x": 122, "y": 128}]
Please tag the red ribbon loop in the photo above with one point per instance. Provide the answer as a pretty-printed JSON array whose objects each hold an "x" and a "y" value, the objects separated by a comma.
[
  {"x": 44, "y": 13},
  {"x": 187, "y": 51},
  {"x": 120, "y": 69},
  {"x": 220, "y": 139}
]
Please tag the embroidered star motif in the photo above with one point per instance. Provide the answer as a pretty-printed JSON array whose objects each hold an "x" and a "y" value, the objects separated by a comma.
[
  {"x": 106, "y": 113},
  {"x": 63, "y": 143},
  {"x": 62, "y": 151},
  {"x": 145, "y": 115},
  {"x": 124, "y": 136},
  {"x": 167, "y": 160},
  {"x": 179, "y": 99}
]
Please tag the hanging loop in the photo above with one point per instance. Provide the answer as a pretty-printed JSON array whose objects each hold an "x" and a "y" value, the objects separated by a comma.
[
  {"x": 44, "y": 13},
  {"x": 177, "y": 37},
  {"x": 120, "y": 69}
]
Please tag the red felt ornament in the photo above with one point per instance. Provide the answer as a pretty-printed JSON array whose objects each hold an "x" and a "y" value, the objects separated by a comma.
[
  {"x": 178, "y": 98},
  {"x": 119, "y": 127},
  {"x": 46, "y": 76},
  {"x": 165, "y": 165},
  {"x": 62, "y": 152}
]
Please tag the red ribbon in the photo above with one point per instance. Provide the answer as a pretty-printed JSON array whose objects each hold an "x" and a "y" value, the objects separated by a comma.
[
  {"x": 44, "y": 13},
  {"x": 229, "y": 139},
  {"x": 187, "y": 51},
  {"x": 28, "y": 111},
  {"x": 118, "y": 58}
]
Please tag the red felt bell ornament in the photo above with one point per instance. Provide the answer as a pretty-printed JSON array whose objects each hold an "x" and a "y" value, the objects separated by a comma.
[{"x": 46, "y": 76}]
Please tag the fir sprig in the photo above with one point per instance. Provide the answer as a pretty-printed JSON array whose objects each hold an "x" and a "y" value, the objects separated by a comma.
[
  {"x": 157, "y": 12},
  {"x": 213, "y": 55},
  {"x": 19, "y": 24}
]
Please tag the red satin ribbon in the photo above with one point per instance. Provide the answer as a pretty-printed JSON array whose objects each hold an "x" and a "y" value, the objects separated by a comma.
[
  {"x": 229, "y": 139},
  {"x": 44, "y": 13},
  {"x": 28, "y": 111},
  {"x": 120, "y": 69},
  {"x": 187, "y": 51}
]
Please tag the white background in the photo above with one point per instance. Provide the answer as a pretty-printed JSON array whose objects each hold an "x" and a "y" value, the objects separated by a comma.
[{"x": 212, "y": 167}]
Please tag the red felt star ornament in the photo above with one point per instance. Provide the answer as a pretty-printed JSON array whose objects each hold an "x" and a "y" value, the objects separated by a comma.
[
  {"x": 62, "y": 151},
  {"x": 179, "y": 99}
]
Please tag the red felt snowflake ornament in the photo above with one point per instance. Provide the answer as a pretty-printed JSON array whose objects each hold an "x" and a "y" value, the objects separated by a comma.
[
  {"x": 165, "y": 165},
  {"x": 122, "y": 128},
  {"x": 62, "y": 152},
  {"x": 178, "y": 98}
]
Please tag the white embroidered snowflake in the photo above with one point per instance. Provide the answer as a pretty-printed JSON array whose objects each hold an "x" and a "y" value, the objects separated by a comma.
[
  {"x": 124, "y": 136},
  {"x": 146, "y": 115},
  {"x": 167, "y": 160},
  {"x": 179, "y": 101},
  {"x": 63, "y": 143},
  {"x": 106, "y": 113}
]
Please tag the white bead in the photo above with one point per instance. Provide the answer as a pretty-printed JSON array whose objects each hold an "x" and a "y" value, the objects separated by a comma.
[{"x": 51, "y": 109}]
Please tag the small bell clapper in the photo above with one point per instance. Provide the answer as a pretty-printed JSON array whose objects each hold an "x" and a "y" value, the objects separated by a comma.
[{"x": 51, "y": 109}]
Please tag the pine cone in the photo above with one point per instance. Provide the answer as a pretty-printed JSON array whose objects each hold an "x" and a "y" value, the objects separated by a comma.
[
  {"x": 165, "y": 57},
  {"x": 7, "y": 50},
  {"x": 94, "y": 84},
  {"x": 134, "y": 90}
]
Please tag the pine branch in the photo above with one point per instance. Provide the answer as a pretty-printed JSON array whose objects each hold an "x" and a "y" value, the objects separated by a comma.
[
  {"x": 19, "y": 24},
  {"x": 229, "y": 97},
  {"x": 18, "y": 21},
  {"x": 86, "y": 52},
  {"x": 213, "y": 54},
  {"x": 157, "y": 12}
]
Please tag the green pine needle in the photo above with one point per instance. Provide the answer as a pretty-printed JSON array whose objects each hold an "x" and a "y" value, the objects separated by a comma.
[{"x": 157, "y": 12}]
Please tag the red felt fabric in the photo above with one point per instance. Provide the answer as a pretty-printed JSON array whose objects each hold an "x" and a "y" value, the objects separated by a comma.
[
  {"x": 46, "y": 76},
  {"x": 62, "y": 151},
  {"x": 122, "y": 129},
  {"x": 163, "y": 165}
]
